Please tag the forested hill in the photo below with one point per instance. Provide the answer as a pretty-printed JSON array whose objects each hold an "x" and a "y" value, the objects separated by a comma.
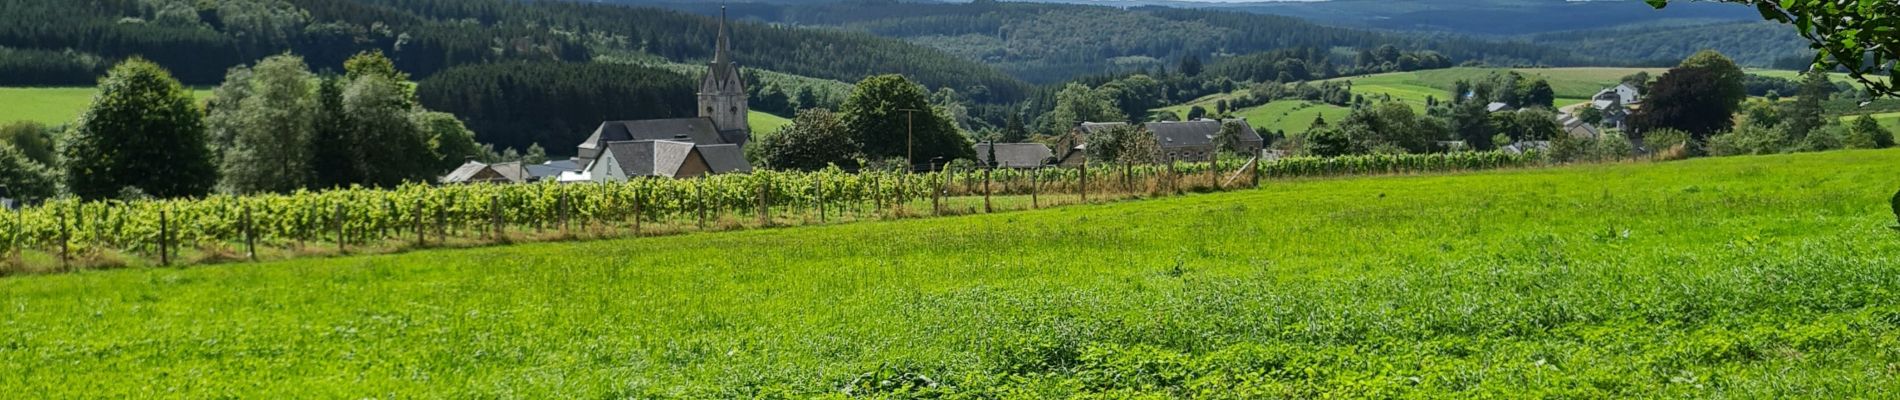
[
  {"x": 1056, "y": 42},
  {"x": 1757, "y": 44},
  {"x": 63, "y": 42}
]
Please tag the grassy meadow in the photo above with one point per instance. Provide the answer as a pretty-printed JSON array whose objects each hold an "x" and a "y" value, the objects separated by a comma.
[
  {"x": 53, "y": 105},
  {"x": 1745, "y": 277}
]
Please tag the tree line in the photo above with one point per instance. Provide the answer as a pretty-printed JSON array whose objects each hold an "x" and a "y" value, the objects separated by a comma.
[{"x": 274, "y": 127}]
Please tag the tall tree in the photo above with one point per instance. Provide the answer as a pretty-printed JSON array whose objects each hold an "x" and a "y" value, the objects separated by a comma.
[
  {"x": 387, "y": 147},
  {"x": 452, "y": 141},
  {"x": 876, "y": 115},
  {"x": 271, "y": 143},
  {"x": 332, "y": 151},
  {"x": 1075, "y": 104},
  {"x": 1699, "y": 97},
  {"x": 1190, "y": 65},
  {"x": 1538, "y": 94},
  {"x": 1805, "y": 113},
  {"x": 142, "y": 131}
]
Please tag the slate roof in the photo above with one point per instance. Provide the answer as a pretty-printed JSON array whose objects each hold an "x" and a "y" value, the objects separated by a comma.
[
  {"x": 510, "y": 170},
  {"x": 462, "y": 173},
  {"x": 1015, "y": 155},
  {"x": 1496, "y": 107},
  {"x": 551, "y": 169},
  {"x": 724, "y": 158},
  {"x": 694, "y": 130},
  {"x": 667, "y": 157},
  {"x": 1196, "y": 133}
]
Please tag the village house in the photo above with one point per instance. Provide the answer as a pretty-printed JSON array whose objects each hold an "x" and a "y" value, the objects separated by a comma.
[
  {"x": 1186, "y": 141},
  {"x": 477, "y": 172},
  {"x": 1014, "y": 155},
  {"x": 1614, "y": 104}
]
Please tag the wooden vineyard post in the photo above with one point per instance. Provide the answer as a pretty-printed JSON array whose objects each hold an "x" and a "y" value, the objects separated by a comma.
[
  {"x": 1085, "y": 180},
  {"x": 441, "y": 226},
  {"x": 765, "y": 215},
  {"x": 1213, "y": 172},
  {"x": 338, "y": 221},
  {"x": 1253, "y": 172},
  {"x": 818, "y": 191},
  {"x": 877, "y": 199},
  {"x": 936, "y": 194},
  {"x": 422, "y": 226},
  {"x": 250, "y": 235},
  {"x": 986, "y": 191},
  {"x": 164, "y": 239},
  {"x": 1034, "y": 186},
  {"x": 636, "y": 212},
  {"x": 699, "y": 202},
  {"x": 494, "y": 218},
  {"x": 65, "y": 250}
]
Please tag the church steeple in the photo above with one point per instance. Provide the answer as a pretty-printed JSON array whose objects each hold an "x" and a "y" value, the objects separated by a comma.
[
  {"x": 722, "y": 94},
  {"x": 721, "y": 54}
]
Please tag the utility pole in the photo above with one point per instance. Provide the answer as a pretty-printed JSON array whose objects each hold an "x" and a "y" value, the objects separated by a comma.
[{"x": 910, "y": 137}]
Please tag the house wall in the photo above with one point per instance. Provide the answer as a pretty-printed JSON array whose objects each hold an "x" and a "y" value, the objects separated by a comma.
[
  {"x": 694, "y": 166},
  {"x": 606, "y": 169}
]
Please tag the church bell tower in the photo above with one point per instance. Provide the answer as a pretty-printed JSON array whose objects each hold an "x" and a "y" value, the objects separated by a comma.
[{"x": 722, "y": 95}]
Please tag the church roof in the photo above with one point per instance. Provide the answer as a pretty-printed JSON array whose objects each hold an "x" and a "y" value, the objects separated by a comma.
[{"x": 698, "y": 130}]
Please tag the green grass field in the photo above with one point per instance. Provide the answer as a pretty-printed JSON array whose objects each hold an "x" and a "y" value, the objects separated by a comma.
[
  {"x": 1747, "y": 277},
  {"x": 53, "y": 106},
  {"x": 765, "y": 123}
]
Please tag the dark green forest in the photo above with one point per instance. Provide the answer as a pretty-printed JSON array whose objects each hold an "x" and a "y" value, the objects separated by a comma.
[
  {"x": 1755, "y": 44},
  {"x": 518, "y": 104},
  {"x": 199, "y": 41},
  {"x": 1047, "y": 43}
]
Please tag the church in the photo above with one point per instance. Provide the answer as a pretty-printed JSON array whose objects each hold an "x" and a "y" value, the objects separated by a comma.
[{"x": 712, "y": 143}]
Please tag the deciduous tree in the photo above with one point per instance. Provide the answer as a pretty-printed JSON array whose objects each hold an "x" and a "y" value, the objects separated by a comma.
[{"x": 142, "y": 131}]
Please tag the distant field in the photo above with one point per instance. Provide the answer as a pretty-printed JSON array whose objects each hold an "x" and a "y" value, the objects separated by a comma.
[
  {"x": 764, "y": 123},
  {"x": 1748, "y": 277},
  {"x": 54, "y": 106},
  {"x": 1889, "y": 120}
]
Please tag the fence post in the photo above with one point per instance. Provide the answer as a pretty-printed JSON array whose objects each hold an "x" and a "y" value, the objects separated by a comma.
[
  {"x": 441, "y": 226},
  {"x": 561, "y": 201},
  {"x": 65, "y": 251},
  {"x": 986, "y": 191},
  {"x": 818, "y": 191},
  {"x": 338, "y": 221},
  {"x": 1253, "y": 172},
  {"x": 250, "y": 235},
  {"x": 1213, "y": 172},
  {"x": 422, "y": 226},
  {"x": 876, "y": 198},
  {"x": 1085, "y": 180},
  {"x": 936, "y": 194},
  {"x": 494, "y": 218},
  {"x": 1035, "y": 178},
  {"x": 699, "y": 202},
  {"x": 164, "y": 239},
  {"x": 764, "y": 217}
]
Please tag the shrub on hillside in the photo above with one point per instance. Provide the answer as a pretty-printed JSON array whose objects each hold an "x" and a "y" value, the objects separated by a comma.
[{"x": 1748, "y": 140}]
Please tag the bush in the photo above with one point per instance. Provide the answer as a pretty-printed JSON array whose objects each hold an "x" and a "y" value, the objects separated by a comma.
[{"x": 1749, "y": 140}]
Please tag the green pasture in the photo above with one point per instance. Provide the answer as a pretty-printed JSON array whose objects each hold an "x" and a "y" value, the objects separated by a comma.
[
  {"x": 1745, "y": 277},
  {"x": 53, "y": 105}
]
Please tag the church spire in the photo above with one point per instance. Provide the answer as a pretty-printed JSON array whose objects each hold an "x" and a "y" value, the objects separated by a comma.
[{"x": 722, "y": 54}]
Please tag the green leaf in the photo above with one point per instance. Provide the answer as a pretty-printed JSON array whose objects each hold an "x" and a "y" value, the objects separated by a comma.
[{"x": 1658, "y": 4}]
